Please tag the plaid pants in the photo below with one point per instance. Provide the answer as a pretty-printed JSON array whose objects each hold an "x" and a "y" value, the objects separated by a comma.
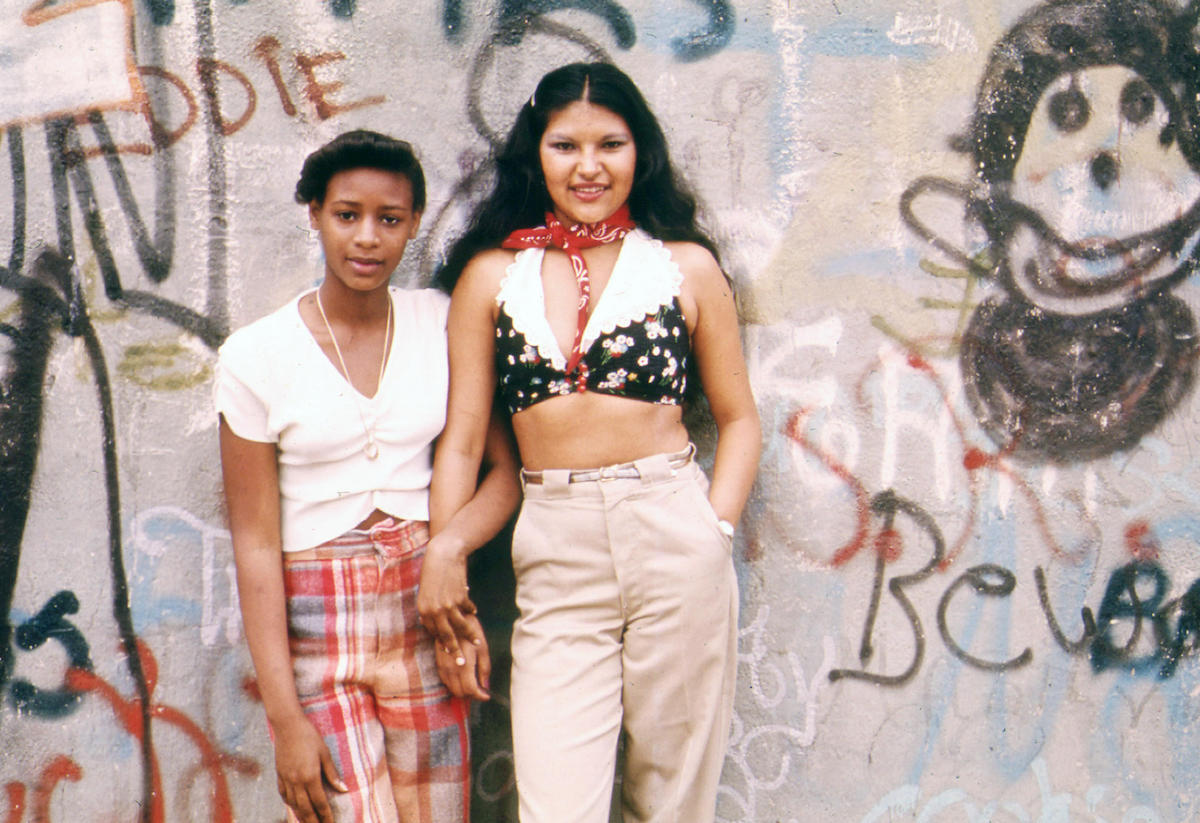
[{"x": 367, "y": 678}]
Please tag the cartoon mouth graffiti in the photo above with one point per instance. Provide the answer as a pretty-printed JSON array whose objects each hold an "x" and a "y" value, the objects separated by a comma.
[{"x": 1088, "y": 188}]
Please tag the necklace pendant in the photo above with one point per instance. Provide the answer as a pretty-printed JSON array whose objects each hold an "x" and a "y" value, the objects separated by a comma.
[{"x": 371, "y": 449}]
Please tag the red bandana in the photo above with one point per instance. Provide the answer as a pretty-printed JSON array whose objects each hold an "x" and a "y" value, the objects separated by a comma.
[{"x": 572, "y": 239}]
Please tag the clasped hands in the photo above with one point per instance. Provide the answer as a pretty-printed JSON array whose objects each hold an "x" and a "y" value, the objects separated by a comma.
[{"x": 449, "y": 615}]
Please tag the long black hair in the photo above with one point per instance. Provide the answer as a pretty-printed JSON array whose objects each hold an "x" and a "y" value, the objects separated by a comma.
[
  {"x": 660, "y": 203},
  {"x": 360, "y": 149}
]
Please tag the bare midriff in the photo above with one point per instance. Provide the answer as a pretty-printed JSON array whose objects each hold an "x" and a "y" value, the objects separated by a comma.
[
  {"x": 590, "y": 429},
  {"x": 371, "y": 519}
]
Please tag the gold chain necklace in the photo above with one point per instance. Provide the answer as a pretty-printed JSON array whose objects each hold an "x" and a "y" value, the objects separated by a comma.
[{"x": 371, "y": 449}]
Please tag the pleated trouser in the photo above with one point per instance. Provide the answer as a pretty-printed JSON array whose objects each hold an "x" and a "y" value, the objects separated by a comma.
[{"x": 628, "y": 620}]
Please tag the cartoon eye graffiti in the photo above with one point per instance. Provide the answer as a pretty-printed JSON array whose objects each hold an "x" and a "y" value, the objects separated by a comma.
[
  {"x": 1069, "y": 110},
  {"x": 1086, "y": 146},
  {"x": 1137, "y": 102}
]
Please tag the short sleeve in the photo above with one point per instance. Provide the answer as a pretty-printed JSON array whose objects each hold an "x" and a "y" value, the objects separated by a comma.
[
  {"x": 244, "y": 409},
  {"x": 439, "y": 304}
]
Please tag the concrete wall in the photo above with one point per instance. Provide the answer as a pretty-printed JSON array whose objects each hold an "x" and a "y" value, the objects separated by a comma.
[{"x": 968, "y": 569}]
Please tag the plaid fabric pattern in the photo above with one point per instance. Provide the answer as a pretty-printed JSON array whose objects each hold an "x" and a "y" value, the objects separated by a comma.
[{"x": 367, "y": 678}]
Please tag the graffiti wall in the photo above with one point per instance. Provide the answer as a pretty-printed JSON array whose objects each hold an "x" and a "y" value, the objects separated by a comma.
[{"x": 963, "y": 234}]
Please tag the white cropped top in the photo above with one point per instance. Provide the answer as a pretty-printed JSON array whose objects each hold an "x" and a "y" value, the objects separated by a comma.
[{"x": 275, "y": 385}]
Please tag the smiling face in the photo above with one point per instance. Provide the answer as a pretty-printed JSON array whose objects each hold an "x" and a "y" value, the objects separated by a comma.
[
  {"x": 588, "y": 160},
  {"x": 1113, "y": 193},
  {"x": 365, "y": 221}
]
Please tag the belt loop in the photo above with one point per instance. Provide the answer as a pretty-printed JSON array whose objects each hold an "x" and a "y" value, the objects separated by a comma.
[
  {"x": 556, "y": 482},
  {"x": 654, "y": 469}
]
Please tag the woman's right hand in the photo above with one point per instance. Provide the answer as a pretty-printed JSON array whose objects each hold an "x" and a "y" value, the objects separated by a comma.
[
  {"x": 443, "y": 599},
  {"x": 301, "y": 759}
]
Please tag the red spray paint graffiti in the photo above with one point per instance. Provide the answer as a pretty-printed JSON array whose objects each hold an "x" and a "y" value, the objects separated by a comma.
[{"x": 213, "y": 762}]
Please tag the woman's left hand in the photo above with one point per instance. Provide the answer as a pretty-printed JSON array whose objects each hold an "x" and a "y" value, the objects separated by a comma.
[
  {"x": 466, "y": 673},
  {"x": 443, "y": 600}
]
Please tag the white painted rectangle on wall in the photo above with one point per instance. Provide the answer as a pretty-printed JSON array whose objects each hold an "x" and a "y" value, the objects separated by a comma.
[{"x": 64, "y": 58}]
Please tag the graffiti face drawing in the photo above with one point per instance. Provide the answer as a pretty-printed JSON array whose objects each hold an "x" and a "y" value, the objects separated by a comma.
[
  {"x": 1105, "y": 204},
  {"x": 1084, "y": 142}
]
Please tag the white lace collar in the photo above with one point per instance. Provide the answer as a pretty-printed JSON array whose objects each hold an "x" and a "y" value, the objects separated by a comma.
[{"x": 644, "y": 278}]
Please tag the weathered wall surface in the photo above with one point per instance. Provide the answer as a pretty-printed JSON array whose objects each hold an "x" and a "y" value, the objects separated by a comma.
[{"x": 963, "y": 233}]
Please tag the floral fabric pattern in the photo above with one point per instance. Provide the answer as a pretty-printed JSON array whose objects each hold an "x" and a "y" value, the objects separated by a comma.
[{"x": 643, "y": 360}]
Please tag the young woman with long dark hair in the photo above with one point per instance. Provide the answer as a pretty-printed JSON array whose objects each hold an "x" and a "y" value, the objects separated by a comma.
[{"x": 584, "y": 291}]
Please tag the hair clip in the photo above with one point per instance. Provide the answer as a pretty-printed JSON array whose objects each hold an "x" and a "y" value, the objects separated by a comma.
[{"x": 533, "y": 100}]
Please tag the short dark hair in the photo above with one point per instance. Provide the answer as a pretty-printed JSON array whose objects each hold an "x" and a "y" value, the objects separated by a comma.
[
  {"x": 659, "y": 202},
  {"x": 359, "y": 149}
]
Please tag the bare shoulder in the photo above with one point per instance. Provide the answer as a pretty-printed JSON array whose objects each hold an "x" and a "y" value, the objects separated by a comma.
[
  {"x": 702, "y": 274},
  {"x": 485, "y": 271},
  {"x": 474, "y": 297}
]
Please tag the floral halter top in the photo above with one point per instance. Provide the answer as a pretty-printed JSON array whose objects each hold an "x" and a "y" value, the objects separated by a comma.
[{"x": 635, "y": 343}]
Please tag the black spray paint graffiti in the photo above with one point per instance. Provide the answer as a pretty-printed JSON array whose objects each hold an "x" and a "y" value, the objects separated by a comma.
[
  {"x": 49, "y": 624},
  {"x": 52, "y": 298},
  {"x": 1086, "y": 148},
  {"x": 40, "y": 312},
  {"x": 1158, "y": 633},
  {"x": 51, "y": 301},
  {"x": 887, "y": 505},
  {"x": 516, "y": 18},
  {"x": 20, "y": 421}
]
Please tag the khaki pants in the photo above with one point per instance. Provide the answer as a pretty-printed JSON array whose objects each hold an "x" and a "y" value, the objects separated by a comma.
[{"x": 628, "y": 620}]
